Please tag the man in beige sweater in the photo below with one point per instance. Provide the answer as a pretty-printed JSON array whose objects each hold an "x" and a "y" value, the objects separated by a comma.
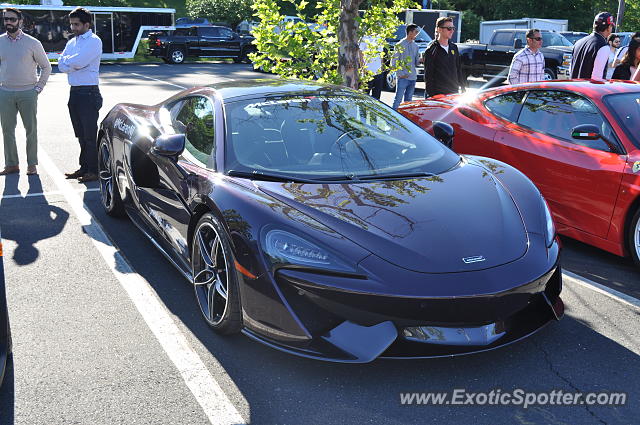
[{"x": 20, "y": 57}]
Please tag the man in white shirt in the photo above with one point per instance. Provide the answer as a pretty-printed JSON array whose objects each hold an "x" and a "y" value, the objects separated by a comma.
[
  {"x": 371, "y": 57},
  {"x": 527, "y": 65},
  {"x": 80, "y": 60}
]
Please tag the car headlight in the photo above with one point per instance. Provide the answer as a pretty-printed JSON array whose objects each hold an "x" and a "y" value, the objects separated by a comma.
[
  {"x": 566, "y": 59},
  {"x": 550, "y": 231},
  {"x": 287, "y": 248}
]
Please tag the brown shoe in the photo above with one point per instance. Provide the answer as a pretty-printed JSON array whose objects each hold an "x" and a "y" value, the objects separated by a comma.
[
  {"x": 32, "y": 170},
  {"x": 87, "y": 177},
  {"x": 76, "y": 174},
  {"x": 10, "y": 170}
]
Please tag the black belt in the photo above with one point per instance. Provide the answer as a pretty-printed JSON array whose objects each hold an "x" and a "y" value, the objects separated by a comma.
[{"x": 88, "y": 88}]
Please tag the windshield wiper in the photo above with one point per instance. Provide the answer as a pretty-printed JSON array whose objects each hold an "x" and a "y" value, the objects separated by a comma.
[
  {"x": 394, "y": 176},
  {"x": 259, "y": 175}
]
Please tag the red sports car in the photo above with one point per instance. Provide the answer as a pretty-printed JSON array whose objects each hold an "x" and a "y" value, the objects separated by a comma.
[{"x": 579, "y": 141}]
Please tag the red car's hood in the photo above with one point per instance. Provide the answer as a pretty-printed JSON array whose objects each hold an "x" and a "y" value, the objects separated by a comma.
[{"x": 462, "y": 220}]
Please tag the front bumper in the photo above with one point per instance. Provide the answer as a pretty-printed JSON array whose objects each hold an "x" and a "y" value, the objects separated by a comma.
[
  {"x": 358, "y": 327},
  {"x": 563, "y": 73}
]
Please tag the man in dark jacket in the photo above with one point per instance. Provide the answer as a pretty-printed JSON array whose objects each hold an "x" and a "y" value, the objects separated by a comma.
[
  {"x": 442, "y": 67},
  {"x": 591, "y": 53}
]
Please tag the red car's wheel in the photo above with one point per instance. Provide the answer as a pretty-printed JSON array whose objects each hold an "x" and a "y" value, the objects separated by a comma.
[{"x": 634, "y": 237}]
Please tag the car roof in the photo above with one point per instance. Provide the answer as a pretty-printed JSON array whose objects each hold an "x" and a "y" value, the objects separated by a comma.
[
  {"x": 253, "y": 88},
  {"x": 585, "y": 87}
]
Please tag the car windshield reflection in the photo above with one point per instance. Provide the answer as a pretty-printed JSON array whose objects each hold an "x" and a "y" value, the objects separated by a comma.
[{"x": 328, "y": 137}]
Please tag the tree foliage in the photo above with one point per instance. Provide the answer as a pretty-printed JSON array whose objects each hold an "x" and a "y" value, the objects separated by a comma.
[
  {"x": 315, "y": 49},
  {"x": 231, "y": 12}
]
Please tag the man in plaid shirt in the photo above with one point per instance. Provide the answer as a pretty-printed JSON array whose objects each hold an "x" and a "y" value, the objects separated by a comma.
[{"x": 528, "y": 64}]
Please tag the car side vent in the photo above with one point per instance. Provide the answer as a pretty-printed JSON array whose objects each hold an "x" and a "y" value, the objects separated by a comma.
[{"x": 473, "y": 114}]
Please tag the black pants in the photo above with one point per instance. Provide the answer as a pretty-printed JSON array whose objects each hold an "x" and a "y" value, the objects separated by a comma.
[
  {"x": 84, "y": 104},
  {"x": 375, "y": 85}
]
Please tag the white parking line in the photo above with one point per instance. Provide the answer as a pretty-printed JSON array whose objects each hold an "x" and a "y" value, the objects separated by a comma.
[
  {"x": 202, "y": 384},
  {"x": 602, "y": 289},
  {"x": 45, "y": 194}
]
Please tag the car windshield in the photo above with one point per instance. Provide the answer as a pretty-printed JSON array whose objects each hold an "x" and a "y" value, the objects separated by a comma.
[
  {"x": 626, "y": 108},
  {"x": 328, "y": 137},
  {"x": 554, "y": 39},
  {"x": 423, "y": 37},
  {"x": 574, "y": 37}
]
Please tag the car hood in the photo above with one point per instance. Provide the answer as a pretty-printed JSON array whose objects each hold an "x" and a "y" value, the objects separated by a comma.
[
  {"x": 462, "y": 220},
  {"x": 563, "y": 49}
]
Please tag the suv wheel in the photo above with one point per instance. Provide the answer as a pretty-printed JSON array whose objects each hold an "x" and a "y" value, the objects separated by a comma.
[{"x": 176, "y": 55}]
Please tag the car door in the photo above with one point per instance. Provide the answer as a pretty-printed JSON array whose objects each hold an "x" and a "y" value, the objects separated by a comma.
[
  {"x": 209, "y": 41},
  {"x": 500, "y": 53},
  {"x": 229, "y": 43},
  {"x": 580, "y": 179},
  {"x": 168, "y": 205}
]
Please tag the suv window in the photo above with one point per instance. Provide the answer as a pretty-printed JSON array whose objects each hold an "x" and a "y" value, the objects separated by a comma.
[
  {"x": 506, "y": 105},
  {"x": 209, "y": 31},
  {"x": 557, "y": 112},
  {"x": 502, "y": 38},
  {"x": 194, "y": 119},
  {"x": 554, "y": 39}
]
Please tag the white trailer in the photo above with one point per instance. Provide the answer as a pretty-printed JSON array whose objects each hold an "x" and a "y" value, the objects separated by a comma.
[
  {"x": 488, "y": 27},
  {"x": 426, "y": 19}
]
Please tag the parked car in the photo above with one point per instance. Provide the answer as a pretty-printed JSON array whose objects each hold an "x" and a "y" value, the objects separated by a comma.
[
  {"x": 203, "y": 42},
  {"x": 573, "y": 36},
  {"x": 319, "y": 221},
  {"x": 579, "y": 141},
  {"x": 422, "y": 40},
  {"x": 492, "y": 61},
  {"x": 5, "y": 330}
]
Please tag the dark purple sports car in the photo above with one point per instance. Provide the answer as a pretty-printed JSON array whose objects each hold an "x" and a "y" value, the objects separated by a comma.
[{"x": 320, "y": 222}]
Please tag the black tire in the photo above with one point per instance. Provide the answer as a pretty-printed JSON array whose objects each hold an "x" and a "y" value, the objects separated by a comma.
[
  {"x": 165, "y": 60},
  {"x": 633, "y": 237},
  {"x": 214, "y": 277},
  {"x": 109, "y": 192},
  {"x": 176, "y": 55},
  {"x": 549, "y": 74}
]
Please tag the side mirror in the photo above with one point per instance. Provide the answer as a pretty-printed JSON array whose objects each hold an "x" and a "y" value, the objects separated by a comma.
[
  {"x": 592, "y": 132},
  {"x": 169, "y": 145},
  {"x": 517, "y": 44},
  {"x": 443, "y": 132}
]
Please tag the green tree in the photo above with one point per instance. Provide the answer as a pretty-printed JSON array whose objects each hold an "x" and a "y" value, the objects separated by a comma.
[
  {"x": 325, "y": 48},
  {"x": 231, "y": 12}
]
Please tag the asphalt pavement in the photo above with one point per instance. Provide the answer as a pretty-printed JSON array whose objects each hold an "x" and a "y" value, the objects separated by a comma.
[{"x": 87, "y": 351}]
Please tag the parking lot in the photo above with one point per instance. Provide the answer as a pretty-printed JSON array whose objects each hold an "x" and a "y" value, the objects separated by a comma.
[{"x": 106, "y": 331}]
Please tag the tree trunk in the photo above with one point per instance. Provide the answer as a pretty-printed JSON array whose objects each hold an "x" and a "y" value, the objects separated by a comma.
[{"x": 348, "y": 51}]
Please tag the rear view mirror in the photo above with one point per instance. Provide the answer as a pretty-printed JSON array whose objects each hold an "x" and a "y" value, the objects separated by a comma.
[
  {"x": 169, "y": 145},
  {"x": 517, "y": 44},
  {"x": 443, "y": 132}
]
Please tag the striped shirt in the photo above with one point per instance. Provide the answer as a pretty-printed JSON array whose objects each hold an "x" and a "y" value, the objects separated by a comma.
[{"x": 526, "y": 67}]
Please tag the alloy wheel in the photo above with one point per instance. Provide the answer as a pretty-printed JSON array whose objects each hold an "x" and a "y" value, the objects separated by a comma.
[
  {"x": 210, "y": 274},
  {"x": 177, "y": 56},
  {"x": 106, "y": 176},
  {"x": 636, "y": 238}
]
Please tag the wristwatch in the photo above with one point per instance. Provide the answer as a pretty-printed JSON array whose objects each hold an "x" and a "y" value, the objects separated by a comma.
[{"x": 38, "y": 89}]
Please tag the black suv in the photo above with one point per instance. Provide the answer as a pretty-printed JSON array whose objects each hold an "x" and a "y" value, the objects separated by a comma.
[{"x": 203, "y": 42}]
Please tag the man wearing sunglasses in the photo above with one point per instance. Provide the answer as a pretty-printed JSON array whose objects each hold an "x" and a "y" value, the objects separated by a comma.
[
  {"x": 442, "y": 65},
  {"x": 527, "y": 65},
  {"x": 20, "y": 57},
  {"x": 591, "y": 53}
]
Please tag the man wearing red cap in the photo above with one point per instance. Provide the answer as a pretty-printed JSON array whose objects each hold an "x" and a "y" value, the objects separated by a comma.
[{"x": 591, "y": 53}]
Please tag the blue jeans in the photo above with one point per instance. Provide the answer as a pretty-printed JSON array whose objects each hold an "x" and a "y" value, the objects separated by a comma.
[{"x": 404, "y": 87}]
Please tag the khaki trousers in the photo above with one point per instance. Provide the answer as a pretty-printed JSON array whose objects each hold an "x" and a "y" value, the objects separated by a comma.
[{"x": 26, "y": 103}]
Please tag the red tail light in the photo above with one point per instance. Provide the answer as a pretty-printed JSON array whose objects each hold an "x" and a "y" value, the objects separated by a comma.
[{"x": 158, "y": 43}]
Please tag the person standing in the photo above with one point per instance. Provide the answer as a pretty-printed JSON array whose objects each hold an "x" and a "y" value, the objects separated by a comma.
[
  {"x": 80, "y": 60},
  {"x": 373, "y": 65},
  {"x": 591, "y": 53},
  {"x": 630, "y": 62},
  {"x": 406, "y": 57},
  {"x": 20, "y": 57},
  {"x": 623, "y": 50},
  {"x": 527, "y": 65},
  {"x": 614, "y": 42},
  {"x": 442, "y": 65}
]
